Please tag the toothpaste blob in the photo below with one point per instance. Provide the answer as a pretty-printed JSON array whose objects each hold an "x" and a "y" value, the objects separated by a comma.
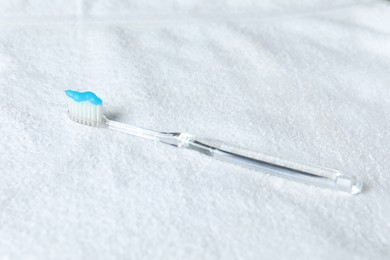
[{"x": 84, "y": 96}]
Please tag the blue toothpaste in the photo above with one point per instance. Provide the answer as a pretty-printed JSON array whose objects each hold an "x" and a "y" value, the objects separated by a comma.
[{"x": 84, "y": 96}]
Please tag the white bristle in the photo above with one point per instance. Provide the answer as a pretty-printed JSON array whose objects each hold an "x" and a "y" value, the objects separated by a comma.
[{"x": 85, "y": 113}]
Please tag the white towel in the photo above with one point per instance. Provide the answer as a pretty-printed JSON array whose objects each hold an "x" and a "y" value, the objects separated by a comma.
[{"x": 307, "y": 81}]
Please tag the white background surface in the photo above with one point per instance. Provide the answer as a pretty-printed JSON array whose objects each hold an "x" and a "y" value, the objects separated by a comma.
[{"x": 306, "y": 80}]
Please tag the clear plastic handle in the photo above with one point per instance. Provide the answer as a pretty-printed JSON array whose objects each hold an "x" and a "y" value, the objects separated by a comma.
[{"x": 295, "y": 171}]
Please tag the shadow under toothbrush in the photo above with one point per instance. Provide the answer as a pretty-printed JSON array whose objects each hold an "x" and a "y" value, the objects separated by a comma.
[{"x": 113, "y": 115}]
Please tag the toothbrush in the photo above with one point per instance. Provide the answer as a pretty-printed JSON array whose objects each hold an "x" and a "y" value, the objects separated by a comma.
[{"x": 87, "y": 108}]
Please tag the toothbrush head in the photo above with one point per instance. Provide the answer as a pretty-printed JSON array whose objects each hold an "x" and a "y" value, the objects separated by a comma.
[{"x": 85, "y": 108}]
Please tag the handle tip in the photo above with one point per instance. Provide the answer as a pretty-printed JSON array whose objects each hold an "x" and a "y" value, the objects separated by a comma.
[{"x": 350, "y": 184}]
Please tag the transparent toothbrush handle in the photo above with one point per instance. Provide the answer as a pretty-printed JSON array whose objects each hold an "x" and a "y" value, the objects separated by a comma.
[{"x": 295, "y": 171}]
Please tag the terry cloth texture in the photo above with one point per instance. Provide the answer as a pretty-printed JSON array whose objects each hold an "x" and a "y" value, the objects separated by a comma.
[{"x": 305, "y": 80}]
